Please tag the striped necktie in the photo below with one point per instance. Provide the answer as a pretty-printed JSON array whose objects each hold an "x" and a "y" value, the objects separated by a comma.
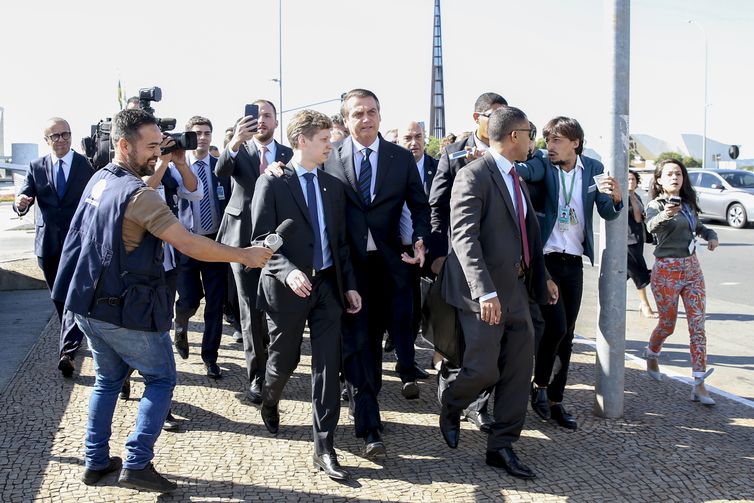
[
  {"x": 205, "y": 204},
  {"x": 365, "y": 177}
]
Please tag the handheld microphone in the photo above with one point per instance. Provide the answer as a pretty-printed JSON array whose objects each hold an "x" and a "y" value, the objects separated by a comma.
[{"x": 275, "y": 240}]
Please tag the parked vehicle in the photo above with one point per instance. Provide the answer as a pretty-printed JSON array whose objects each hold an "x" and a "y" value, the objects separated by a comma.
[{"x": 725, "y": 194}]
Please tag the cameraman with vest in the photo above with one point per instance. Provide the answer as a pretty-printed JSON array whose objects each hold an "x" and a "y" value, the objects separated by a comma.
[{"x": 112, "y": 278}]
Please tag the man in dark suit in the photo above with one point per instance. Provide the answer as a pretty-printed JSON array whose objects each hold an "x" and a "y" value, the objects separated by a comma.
[
  {"x": 568, "y": 194},
  {"x": 495, "y": 264},
  {"x": 412, "y": 139},
  {"x": 55, "y": 183},
  {"x": 309, "y": 280},
  {"x": 379, "y": 177},
  {"x": 249, "y": 152},
  {"x": 196, "y": 278},
  {"x": 475, "y": 145}
]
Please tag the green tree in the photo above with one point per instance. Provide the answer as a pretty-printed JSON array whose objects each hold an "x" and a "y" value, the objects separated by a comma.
[
  {"x": 669, "y": 155},
  {"x": 692, "y": 162},
  {"x": 541, "y": 143},
  {"x": 433, "y": 147}
]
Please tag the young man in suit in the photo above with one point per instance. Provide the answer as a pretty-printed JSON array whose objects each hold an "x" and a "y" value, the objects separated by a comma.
[
  {"x": 55, "y": 183},
  {"x": 249, "y": 152},
  {"x": 475, "y": 146},
  {"x": 565, "y": 180},
  {"x": 197, "y": 278},
  {"x": 308, "y": 280},
  {"x": 495, "y": 265},
  {"x": 378, "y": 178}
]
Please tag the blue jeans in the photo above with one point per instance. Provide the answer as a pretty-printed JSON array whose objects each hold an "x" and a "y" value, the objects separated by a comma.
[{"x": 114, "y": 350}]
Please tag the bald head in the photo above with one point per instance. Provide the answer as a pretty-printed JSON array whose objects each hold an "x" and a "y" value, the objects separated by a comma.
[
  {"x": 412, "y": 138},
  {"x": 57, "y": 134}
]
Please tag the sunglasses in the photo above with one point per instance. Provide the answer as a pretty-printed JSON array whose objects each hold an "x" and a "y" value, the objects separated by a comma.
[
  {"x": 66, "y": 135},
  {"x": 532, "y": 133}
]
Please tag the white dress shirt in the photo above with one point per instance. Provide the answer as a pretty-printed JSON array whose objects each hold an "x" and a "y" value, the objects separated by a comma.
[
  {"x": 407, "y": 226},
  {"x": 504, "y": 165},
  {"x": 569, "y": 241},
  {"x": 358, "y": 157},
  {"x": 216, "y": 216},
  {"x": 324, "y": 241}
]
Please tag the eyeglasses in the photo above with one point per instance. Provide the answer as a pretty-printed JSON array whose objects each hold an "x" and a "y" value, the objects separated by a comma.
[
  {"x": 65, "y": 135},
  {"x": 532, "y": 133}
]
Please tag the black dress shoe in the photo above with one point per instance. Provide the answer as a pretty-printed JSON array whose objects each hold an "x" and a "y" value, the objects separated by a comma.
[
  {"x": 328, "y": 463},
  {"x": 450, "y": 426},
  {"x": 171, "y": 423},
  {"x": 254, "y": 393},
  {"x": 539, "y": 402},
  {"x": 213, "y": 370},
  {"x": 563, "y": 418},
  {"x": 91, "y": 477},
  {"x": 125, "y": 390},
  {"x": 505, "y": 458},
  {"x": 271, "y": 418},
  {"x": 373, "y": 445},
  {"x": 65, "y": 366},
  {"x": 481, "y": 420},
  {"x": 420, "y": 372},
  {"x": 181, "y": 343},
  {"x": 410, "y": 390}
]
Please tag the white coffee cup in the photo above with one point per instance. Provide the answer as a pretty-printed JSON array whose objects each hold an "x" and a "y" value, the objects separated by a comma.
[{"x": 601, "y": 181}]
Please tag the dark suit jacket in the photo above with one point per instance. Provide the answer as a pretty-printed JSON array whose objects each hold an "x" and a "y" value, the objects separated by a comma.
[
  {"x": 397, "y": 182},
  {"x": 55, "y": 214},
  {"x": 439, "y": 196},
  {"x": 544, "y": 176},
  {"x": 235, "y": 228},
  {"x": 279, "y": 198},
  {"x": 486, "y": 241}
]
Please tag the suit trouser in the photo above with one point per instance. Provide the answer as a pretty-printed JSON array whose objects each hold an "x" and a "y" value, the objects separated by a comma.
[
  {"x": 499, "y": 356},
  {"x": 538, "y": 323},
  {"x": 362, "y": 339},
  {"x": 232, "y": 304},
  {"x": 323, "y": 313},
  {"x": 70, "y": 333},
  {"x": 197, "y": 279},
  {"x": 567, "y": 271},
  {"x": 253, "y": 323}
]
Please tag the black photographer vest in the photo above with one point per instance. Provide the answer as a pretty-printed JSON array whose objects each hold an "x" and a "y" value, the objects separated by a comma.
[{"x": 96, "y": 278}]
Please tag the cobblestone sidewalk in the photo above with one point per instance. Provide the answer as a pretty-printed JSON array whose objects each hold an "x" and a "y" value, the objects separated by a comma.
[{"x": 665, "y": 449}]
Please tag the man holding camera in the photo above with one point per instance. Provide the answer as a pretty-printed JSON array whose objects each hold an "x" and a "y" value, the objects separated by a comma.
[
  {"x": 55, "y": 182},
  {"x": 197, "y": 278},
  {"x": 249, "y": 152},
  {"x": 126, "y": 316}
]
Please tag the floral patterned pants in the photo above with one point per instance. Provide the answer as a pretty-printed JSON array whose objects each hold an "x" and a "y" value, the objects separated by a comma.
[{"x": 673, "y": 278}]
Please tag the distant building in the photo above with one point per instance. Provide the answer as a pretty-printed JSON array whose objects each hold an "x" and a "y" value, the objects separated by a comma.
[{"x": 647, "y": 147}]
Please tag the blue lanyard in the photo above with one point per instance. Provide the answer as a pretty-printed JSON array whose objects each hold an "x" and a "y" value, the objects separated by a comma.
[{"x": 690, "y": 218}]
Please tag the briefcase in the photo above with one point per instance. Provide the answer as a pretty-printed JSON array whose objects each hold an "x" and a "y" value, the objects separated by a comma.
[{"x": 440, "y": 323}]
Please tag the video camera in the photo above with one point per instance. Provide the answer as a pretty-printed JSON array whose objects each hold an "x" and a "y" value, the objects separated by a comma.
[{"x": 99, "y": 148}]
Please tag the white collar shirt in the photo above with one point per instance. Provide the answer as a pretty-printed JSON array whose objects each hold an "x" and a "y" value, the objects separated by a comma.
[
  {"x": 67, "y": 161},
  {"x": 358, "y": 157},
  {"x": 570, "y": 241}
]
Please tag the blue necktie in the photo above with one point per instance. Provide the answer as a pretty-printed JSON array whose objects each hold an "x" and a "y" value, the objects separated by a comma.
[
  {"x": 365, "y": 177},
  {"x": 205, "y": 205},
  {"x": 311, "y": 197},
  {"x": 60, "y": 180}
]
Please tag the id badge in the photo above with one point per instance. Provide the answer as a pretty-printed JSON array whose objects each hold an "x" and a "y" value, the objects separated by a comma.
[
  {"x": 692, "y": 246},
  {"x": 563, "y": 218},
  {"x": 572, "y": 216},
  {"x": 220, "y": 193}
]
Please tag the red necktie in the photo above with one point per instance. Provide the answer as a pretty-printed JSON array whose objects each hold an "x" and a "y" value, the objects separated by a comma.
[
  {"x": 263, "y": 160},
  {"x": 521, "y": 220}
]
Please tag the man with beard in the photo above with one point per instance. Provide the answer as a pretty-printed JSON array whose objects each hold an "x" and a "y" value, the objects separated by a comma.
[
  {"x": 198, "y": 278},
  {"x": 112, "y": 279},
  {"x": 248, "y": 153}
]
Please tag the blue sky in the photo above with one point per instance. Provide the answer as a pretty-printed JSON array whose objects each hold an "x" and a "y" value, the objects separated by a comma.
[{"x": 210, "y": 58}]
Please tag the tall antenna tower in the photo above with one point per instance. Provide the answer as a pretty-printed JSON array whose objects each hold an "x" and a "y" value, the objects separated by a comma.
[{"x": 437, "y": 107}]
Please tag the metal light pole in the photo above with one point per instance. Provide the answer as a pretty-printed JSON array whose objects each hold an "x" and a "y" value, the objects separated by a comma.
[
  {"x": 280, "y": 66},
  {"x": 611, "y": 308},
  {"x": 706, "y": 57}
]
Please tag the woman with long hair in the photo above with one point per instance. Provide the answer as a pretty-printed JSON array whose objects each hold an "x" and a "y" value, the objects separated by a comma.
[
  {"x": 637, "y": 266},
  {"x": 673, "y": 219}
]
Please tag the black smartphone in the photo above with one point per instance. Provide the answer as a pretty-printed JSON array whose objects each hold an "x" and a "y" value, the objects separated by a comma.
[
  {"x": 674, "y": 201},
  {"x": 252, "y": 110}
]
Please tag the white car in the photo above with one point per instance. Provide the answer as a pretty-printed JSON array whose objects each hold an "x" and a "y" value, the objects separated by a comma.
[{"x": 725, "y": 194}]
